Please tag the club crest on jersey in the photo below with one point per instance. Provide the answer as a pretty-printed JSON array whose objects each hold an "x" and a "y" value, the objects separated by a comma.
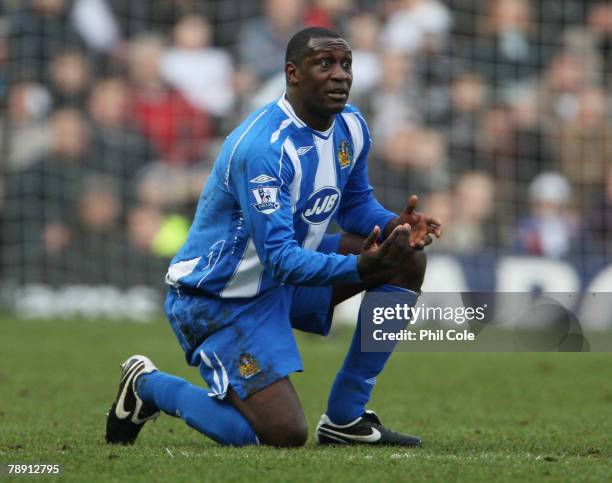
[
  {"x": 248, "y": 365},
  {"x": 345, "y": 154},
  {"x": 266, "y": 199},
  {"x": 321, "y": 205}
]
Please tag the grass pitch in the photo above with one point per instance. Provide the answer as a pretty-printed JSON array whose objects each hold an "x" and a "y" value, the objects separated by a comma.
[{"x": 482, "y": 417}]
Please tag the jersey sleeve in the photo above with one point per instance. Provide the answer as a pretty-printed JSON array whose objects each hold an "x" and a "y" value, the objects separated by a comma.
[
  {"x": 262, "y": 187},
  {"x": 359, "y": 211}
]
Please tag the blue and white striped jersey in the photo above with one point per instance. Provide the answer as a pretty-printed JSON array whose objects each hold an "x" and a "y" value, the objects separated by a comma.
[{"x": 270, "y": 197}]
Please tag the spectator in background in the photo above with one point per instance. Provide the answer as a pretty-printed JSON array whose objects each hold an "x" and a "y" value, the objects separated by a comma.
[
  {"x": 332, "y": 14},
  {"x": 573, "y": 68},
  {"x": 533, "y": 150},
  {"x": 154, "y": 238},
  {"x": 179, "y": 131},
  {"x": 261, "y": 50},
  {"x": 154, "y": 233},
  {"x": 497, "y": 155},
  {"x": 364, "y": 30},
  {"x": 413, "y": 159},
  {"x": 583, "y": 145},
  {"x": 496, "y": 145},
  {"x": 203, "y": 74},
  {"x": 467, "y": 100},
  {"x": 95, "y": 22},
  {"x": 98, "y": 244},
  {"x": 472, "y": 205},
  {"x": 41, "y": 202},
  {"x": 144, "y": 222},
  {"x": 466, "y": 14},
  {"x": 553, "y": 17},
  {"x": 599, "y": 23},
  {"x": 38, "y": 32},
  {"x": 101, "y": 244},
  {"x": 26, "y": 137},
  {"x": 136, "y": 18},
  {"x": 395, "y": 104},
  {"x": 504, "y": 51},
  {"x": 262, "y": 41},
  {"x": 118, "y": 149},
  {"x": 551, "y": 227},
  {"x": 70, "y": 78},
  {"x": 417, "y": 26},
  {"x": 169, "y": 188},
  {"x": 513, "y": 148}
]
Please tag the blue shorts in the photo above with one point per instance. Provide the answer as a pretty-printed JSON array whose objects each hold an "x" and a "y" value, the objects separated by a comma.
[{"x": 248, "y": 343}]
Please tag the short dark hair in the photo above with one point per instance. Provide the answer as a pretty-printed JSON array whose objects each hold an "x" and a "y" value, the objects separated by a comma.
[{"x": 297, "y": 48}]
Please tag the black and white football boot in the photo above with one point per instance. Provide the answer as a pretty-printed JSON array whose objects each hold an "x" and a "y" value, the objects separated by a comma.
[
  {"x": 366, "y": 429},
  {"x": 128, "y": 413}
]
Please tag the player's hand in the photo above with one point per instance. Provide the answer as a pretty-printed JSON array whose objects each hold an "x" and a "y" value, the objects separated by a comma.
[
  {"x": 423, "y": 226},
  {"x": 375, "y": 258}
]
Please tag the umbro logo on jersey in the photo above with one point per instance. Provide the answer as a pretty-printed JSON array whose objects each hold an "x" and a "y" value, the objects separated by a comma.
[
  {"x": 321, "y": 205},
  {"x": 304, "y": 150},
  {"x": 263, "y": 178}
]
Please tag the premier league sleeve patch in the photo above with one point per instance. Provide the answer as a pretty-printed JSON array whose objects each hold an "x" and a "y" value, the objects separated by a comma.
[{"x": 265, "y": 197}]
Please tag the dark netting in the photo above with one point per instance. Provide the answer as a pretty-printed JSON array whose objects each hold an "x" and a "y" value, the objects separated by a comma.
[{"x": 496, "y": 113}]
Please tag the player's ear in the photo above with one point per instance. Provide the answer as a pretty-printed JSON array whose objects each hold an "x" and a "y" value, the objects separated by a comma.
[{"x": 291, "y": 73}]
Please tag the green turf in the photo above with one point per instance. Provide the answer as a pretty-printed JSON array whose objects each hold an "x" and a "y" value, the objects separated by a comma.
[{"x": 483, "y": 417}]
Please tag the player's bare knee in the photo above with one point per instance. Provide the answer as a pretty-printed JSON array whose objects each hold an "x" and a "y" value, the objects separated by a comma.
[
  {"x": 285, "y": 435},
  {"x": 295, "y": 437}
]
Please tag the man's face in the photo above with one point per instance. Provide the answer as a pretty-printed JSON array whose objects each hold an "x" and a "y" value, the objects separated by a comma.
[{"x": 324, "y": 77}]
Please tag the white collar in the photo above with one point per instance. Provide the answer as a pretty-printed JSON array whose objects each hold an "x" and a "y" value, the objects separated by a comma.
[{"x": 284, "y": 104}]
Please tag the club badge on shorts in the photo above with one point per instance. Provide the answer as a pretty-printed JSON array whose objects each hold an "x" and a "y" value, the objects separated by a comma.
[
  {"x": 248, "y": 365},
  {"x": 266, "y": 199},
  {"x": 345, "y": 154}
]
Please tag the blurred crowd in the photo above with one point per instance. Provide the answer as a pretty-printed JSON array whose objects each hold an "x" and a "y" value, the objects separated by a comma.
[{"x": 495, "y": 112}]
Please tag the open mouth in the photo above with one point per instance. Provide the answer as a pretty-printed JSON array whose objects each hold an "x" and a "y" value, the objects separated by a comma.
[{"x": 337, "y": 94}]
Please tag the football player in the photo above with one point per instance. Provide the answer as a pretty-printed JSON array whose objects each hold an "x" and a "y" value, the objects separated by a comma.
[{"x": 258, "y": 262}]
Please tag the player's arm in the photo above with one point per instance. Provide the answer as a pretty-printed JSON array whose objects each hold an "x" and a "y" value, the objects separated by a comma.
[
  {"x": 262, "y": 187},
  {"x": 360, "y": 211}
]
